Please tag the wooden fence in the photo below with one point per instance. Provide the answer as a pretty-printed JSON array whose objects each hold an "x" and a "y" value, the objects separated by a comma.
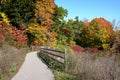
[{"x": 55, "y": 54}]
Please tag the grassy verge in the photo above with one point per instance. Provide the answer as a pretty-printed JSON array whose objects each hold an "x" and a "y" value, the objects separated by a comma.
[
  {"x": 61, "y": 75},
  {"x": 87, "y": 66},
  {"x": 11, "y": 59},
  {"x": 93, "y": 67}
]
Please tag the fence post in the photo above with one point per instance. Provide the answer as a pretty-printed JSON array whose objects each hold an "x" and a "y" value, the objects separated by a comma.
[{"x": 65, "y": 58}]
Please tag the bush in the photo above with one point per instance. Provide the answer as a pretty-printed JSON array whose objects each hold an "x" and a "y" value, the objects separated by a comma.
[
  {"x": 5, "y": 30},
  {"x": 12, "y": 35},
  {"x": 77, "y": 48},
  {"x": 19, "y": 37},
  {"x": 115, "y": 42}
]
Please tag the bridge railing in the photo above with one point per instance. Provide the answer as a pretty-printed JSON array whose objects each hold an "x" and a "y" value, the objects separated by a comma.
[
  {"x": 55, "y": 54},
  {"x": 49, "y": 53}
]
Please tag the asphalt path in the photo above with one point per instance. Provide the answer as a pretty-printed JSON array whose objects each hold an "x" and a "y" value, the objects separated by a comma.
[{"x": 33, "y": 69}]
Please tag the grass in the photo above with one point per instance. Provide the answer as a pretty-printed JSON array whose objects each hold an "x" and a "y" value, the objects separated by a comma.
[
  {"x": 88, "y": 66},
  {"x": 93, "y": 67},
  {"x": 11, "y": 59},
  {"x": 60, "y": 75}
]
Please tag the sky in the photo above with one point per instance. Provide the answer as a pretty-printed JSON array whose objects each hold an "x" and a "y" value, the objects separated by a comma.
[{"x": 90, "y": 9}]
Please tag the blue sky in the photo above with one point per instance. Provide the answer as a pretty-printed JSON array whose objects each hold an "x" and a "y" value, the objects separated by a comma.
[{"x": 89, "y": 9}]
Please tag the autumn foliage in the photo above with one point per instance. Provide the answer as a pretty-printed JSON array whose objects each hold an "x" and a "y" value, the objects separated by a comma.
[
  {"x": 28, "y": 23},
  {"x": 106, "y": 24},
  {"x": 46, "y": 26},
  {"x": 40, "y": 35},
  {"x": 97, "y": 33},
  {"x": 5, "y": 30},
  {"x": 44, "y": 12},
  {"x": 19, "y": 36},
  {"x": 8, "y": 32},
  {"x": 77, "y": 48}
]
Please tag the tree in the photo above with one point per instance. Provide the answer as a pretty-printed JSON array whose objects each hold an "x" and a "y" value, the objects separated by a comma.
[
  {"x": 78, "y": 25},
  {"x": 59, "y": 14},
  {"x": 44, "y": 12},
  {"x": 19, "y": 11},
  {"x": 96, "y": 33},
  {"x": 39, "y": 35},
  {"x": 106, "y": 24},
  {"x": 58, "y": 18}
]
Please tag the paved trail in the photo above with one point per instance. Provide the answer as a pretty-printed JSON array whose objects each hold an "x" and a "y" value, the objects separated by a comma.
[{"x": 33, "y": 69}]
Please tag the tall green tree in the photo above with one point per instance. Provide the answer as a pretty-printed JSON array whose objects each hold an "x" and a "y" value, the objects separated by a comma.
[
  {"x": 60, "y": 23},
  {"x": 19, "y": 11},
  {"x": 59, "y": 14},
  {"x": 58, "y": 18}
]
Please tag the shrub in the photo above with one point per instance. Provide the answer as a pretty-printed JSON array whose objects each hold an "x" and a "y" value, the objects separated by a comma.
[
  {"x": 4, "y": 17},
  {"x": 19, "y": 37},
  {"x": 77, "y": 48},
  {"x": 115, "y": 40},
  {"x": 5, "y": 30},
  {"x": 12, "y": 35},
  {"x": 92, "y": 50}
]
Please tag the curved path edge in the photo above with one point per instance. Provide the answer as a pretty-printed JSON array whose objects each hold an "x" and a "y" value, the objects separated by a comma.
[{"x": 33, "y": 69}]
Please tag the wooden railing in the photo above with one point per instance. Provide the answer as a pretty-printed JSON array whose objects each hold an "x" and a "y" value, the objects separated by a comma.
[{"x": 55, "y": 54}]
